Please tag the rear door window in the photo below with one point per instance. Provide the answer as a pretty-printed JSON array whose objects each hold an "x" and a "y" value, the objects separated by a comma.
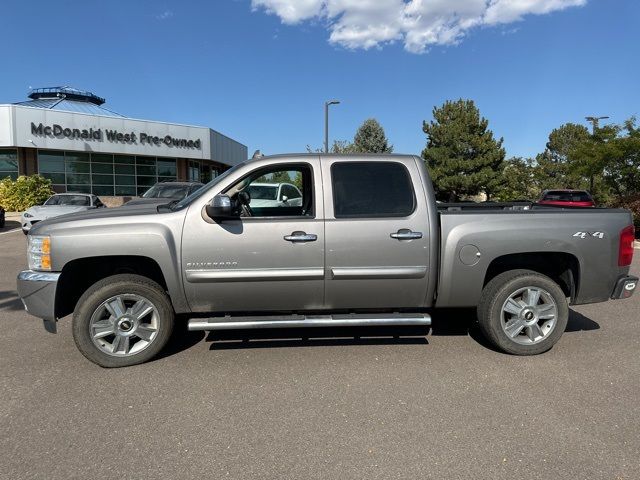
[{"x": 371, "y": 189}]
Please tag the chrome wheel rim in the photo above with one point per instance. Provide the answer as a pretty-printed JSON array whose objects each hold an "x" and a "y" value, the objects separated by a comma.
[
  {"x": 529, "y": 315},
  {"x": 124, "y": 325}
]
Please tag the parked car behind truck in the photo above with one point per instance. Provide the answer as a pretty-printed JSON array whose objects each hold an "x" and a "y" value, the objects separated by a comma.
[
  {"x": 165, "y": 192},
  {"x": 567, "y": 198},
  {"x": 59, "y": 204},
  {"x": 367, "y": 245}
]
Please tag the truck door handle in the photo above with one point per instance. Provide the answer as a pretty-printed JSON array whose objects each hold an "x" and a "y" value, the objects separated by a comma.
[
  {"x": 406, "y": 234},
  {"x": 301, "y": 237}
]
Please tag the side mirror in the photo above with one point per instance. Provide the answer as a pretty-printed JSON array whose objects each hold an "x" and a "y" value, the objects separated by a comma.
[
  {"x": 220, "y": 207},
  {"x": 285, "y": 199}
]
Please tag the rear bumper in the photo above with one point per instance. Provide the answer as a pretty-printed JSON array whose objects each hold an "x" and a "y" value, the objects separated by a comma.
[
  {"x": 38, "y": 293},
  {"x": 625, "y": 286}
]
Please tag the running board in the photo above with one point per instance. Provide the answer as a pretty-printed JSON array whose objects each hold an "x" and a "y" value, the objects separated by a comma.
[{"x": 229, "y": 322}]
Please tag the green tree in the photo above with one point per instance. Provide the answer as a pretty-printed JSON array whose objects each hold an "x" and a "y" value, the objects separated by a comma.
[
  {"x": 370, "y": 138},
  {"x": 554, "y": 165},
  {"x": 518, "y": 181},
  {"x": 622, "y": 171},
  {"x": 339, "y": 146},
  {"x": 281, "y": 176},
  {"x": 462, "y": 155},
  {"x": 591, "y": 160}
]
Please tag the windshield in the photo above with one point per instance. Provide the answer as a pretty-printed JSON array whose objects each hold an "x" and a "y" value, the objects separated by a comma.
[
  {"x": 74, "y": 200},
  {"x": 568, "y": 196},
  {"x": 167, "y": 191},
  {"x": 203, "y": 190},
  {"x": 263, "y": 192}
]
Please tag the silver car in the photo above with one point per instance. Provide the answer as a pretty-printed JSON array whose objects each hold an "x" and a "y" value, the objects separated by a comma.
[
  {"x": 56, "y": 205},
  {"x": 274, "y": 195}
]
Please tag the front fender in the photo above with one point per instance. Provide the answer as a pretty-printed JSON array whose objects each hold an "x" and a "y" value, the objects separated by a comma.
[{"x": 140, "y": 236}]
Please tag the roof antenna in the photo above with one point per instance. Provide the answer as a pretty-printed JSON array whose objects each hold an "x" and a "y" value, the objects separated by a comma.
[{"x": 257, "y": 154}]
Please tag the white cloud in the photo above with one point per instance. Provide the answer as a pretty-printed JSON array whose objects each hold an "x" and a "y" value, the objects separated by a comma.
[
  {"x": 164, "y": 15},
  {"x": 417, "y": 23}
]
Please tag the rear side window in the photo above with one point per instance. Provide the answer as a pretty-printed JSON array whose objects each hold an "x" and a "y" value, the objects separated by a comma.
[
  {"x": 568, "y": 196},
  {"x": 371, "y": 189}
]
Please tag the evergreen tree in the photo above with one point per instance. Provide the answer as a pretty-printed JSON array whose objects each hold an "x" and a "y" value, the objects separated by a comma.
[
  {"x": 339, "y": 146},
  {"x": 555, "y": 169},
  {"x": 462, "y": 155},
  {"x": 370, "y": 138},
  {"x": 518, "y": 181}
]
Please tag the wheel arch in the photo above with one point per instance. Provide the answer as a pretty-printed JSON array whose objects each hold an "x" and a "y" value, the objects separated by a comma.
[
  {"x": 79, "y": 274},
  {"x": 562, "y": 267}
]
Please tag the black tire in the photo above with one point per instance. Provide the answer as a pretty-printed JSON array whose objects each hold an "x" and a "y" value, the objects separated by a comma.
[
  {"x": 490, "y": 313},
  {"x": 126, "y": 284}
]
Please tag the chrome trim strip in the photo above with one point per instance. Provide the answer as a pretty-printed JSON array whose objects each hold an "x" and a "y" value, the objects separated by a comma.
[
  {"x": 357, "y": 273},
  {"x": 225, "y": 323},
  {"x": 33, "y": 276},
  {"x": 253, "y": 275}
]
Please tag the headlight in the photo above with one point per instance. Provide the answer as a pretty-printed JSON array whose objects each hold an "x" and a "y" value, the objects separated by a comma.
[
  {"x": 27, "y": 215},
  {"x": 39, "y": 252}
]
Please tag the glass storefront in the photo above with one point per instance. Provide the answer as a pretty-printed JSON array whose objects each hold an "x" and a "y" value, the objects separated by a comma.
[
  {"x": 8, "y": 163},
  {"x": 104, "y": 174},
  {"x": 193, "y": 173},
  {"x": 208, "y": 173}
]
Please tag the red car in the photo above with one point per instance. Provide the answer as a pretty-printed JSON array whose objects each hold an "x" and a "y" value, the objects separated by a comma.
[{"x": 567, "y": 198}]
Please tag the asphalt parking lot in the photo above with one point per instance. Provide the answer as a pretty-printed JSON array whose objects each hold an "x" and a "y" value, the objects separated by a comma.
[{"x": 340, "y": 404}]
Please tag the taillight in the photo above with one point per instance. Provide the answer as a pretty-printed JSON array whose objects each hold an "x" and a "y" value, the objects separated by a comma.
[{"x": 625, "y": 251}]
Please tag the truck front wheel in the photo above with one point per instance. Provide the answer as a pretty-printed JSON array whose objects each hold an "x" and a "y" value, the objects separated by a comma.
[
  {"x": 122, "y": 320},
  {"x": 523, "y": 312}
]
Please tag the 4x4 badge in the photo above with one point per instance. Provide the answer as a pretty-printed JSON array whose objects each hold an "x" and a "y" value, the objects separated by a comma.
[{"x": 587, "y": 234}]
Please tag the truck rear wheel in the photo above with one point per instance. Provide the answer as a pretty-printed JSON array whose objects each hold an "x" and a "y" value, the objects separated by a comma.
[
  {"x": 122, "y": 320},
  {"x": 523, "y": 312}
]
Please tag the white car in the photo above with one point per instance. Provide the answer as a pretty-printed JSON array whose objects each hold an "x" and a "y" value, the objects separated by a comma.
[
  {"x": 274, "y": 195},
  {"x": 56, "y": 205}
]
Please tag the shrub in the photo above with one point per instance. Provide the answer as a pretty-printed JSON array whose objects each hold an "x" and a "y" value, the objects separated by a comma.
[
  {"x": 631, "y": 202},
  {"x": 18, "y": 195}
]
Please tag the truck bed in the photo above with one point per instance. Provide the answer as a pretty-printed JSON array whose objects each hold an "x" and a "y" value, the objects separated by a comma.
[{"x": 474, "y": 239}]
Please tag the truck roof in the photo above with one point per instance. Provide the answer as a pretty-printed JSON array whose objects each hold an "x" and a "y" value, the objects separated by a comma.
[{"x": 354, "y": 156}]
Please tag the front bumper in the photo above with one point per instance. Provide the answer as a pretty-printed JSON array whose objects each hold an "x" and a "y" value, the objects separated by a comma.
[
  {"x": 625, "y": 286},
  {"x": 38, "y": 293}
]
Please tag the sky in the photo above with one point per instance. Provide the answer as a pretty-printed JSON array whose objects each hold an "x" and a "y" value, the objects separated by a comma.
[{"x": 260, "y": 71}]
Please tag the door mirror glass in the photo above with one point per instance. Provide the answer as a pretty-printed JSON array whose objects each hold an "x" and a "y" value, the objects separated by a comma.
[{"x": 220, "y": 207}]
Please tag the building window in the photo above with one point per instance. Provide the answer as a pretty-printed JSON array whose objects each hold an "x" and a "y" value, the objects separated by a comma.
[
  {"x": 104, "y": 174},
  {"x": 9, "y": 164},
  {"x": 193, "y": 173}
]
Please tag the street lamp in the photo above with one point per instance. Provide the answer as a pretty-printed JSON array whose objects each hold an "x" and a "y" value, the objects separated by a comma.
[
  {"x": 594, "y": 122},
  {"x": 326, "y": 123},
  {"x": 594, "y": 126}
]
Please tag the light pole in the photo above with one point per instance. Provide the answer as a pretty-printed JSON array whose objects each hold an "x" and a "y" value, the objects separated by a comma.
[
  {"x": 594, "y": 126},
  {"x": 594, "y": 123},
  {"x": 326, "y": 123}
]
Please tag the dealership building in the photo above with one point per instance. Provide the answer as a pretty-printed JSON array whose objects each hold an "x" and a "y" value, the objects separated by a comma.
[{"x": 71, "y": 138}]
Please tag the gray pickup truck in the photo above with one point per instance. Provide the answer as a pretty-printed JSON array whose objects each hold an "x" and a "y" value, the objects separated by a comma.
[{"x": 367, "y": 245}]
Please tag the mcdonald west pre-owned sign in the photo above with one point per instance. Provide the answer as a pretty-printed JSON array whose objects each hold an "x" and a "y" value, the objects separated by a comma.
[{"x": 100, "y": 135}]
